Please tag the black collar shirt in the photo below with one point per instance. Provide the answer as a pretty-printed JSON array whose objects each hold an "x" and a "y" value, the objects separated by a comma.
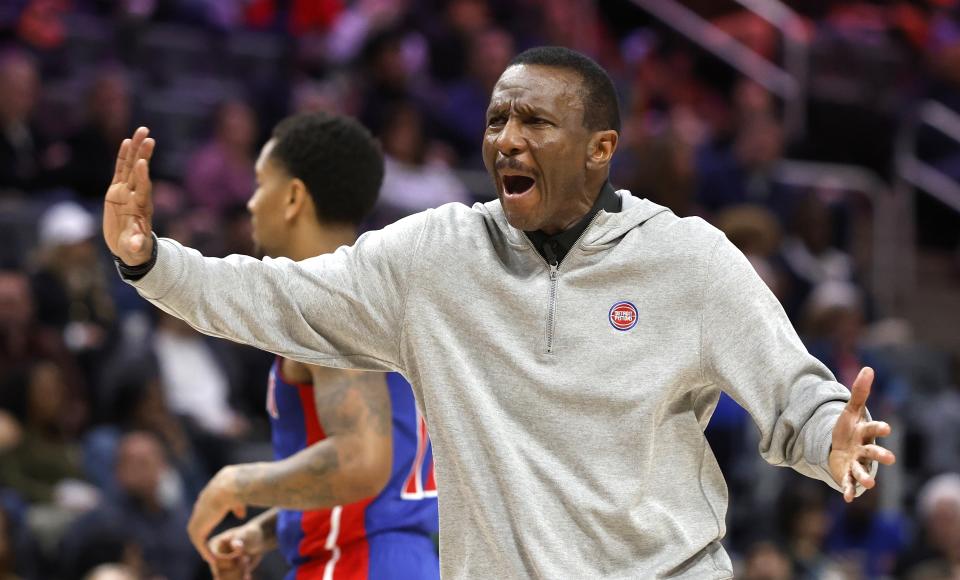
[{"x": 555, "y": 248}]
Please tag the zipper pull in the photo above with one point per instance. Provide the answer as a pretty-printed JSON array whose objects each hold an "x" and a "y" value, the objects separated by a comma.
[
  {"x": 553, "y": 271},
  {"x": 550, "y": 254}
]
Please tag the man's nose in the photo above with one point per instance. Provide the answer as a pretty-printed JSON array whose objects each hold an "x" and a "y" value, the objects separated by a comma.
[{"x": 510, "y": 140}]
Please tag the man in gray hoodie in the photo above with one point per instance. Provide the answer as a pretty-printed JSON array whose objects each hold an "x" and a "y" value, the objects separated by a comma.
[{"x": 567, "y": 344}]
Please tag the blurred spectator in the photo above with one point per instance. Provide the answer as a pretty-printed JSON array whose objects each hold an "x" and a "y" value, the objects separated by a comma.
[
  {"x": 194, "y": 378},
  {"x": 659, "y": 168},
  {"x": 835, "y": 331},
  {"x": 92, "y": 149},
  {"x": 10, "y": 431},
  {"x": 103, "y": 540},
  {"x": 221, "y": 173},
  {"x": 112, "y": 572},
  {"x": 387, "y": 72},
  {"x": 45, "y": 456},
  {"x": 21, "y": 144},
  {"x": 44, "y": 467},
  {"x": 752, "y": 101},
  {"x": 414, "y": 179},
  {"x": 744, "y": 171},
  {"x": 70, "y": 288},
  {"x": 936, "y": 553},
  {"x": 70, "y": 284},
  {"x": 809, "y": 254},
  {"x": 935, "y": 417},
  {"x": 237, "y": 232},
  {"x": 576, "y": 24},
  {"x": 804, "y": 524},
  {"x": 451, "y": 27},
  {"x": 755, "y": 232},
  {"x": 462, "y": 108},
  {"x": 21, "y": 545},
  {"x": 360, "y": 20},
  {"x": 147, "y": 515},
  {"x": 22, "y": 339},
  {"x": 766, "y": 561},
  {"x": 137, "y": 403},
  {"x": 867, "y": 538},
  {"x": 8, "y": 556},
  {"x": 330, "y": 96}
]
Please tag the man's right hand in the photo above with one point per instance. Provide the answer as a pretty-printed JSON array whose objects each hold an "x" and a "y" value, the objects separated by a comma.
[
  {"x": 237, "y": 552},
  {"x": 128, "y": 207}
]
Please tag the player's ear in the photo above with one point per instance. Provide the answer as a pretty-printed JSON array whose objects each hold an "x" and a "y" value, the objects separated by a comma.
[{"x": 297, "y": 199}]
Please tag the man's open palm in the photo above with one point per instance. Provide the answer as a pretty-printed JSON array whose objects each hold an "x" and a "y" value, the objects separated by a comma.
[
  {"x": 853, "y": 440},
  {"x": 128, "y": 207}
]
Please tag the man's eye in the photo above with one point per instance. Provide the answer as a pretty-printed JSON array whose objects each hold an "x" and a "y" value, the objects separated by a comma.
[
  {"x": 538, "y": 121},
  {"x": 494, "y": 121}
]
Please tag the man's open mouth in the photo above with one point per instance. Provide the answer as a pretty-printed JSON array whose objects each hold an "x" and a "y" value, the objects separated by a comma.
[{"x": 515, "y": 184}]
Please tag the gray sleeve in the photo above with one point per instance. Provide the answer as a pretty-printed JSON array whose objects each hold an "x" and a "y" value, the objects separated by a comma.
[
  {"x": 344, "y": 309},
  {"x": 751, "y": 351}
]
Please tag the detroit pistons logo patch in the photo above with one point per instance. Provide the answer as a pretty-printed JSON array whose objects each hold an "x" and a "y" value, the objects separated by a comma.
[{"x": 623, "y": 316}]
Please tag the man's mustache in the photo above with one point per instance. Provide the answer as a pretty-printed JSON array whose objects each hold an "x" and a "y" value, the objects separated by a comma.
[{"x": 514, "y": 164}]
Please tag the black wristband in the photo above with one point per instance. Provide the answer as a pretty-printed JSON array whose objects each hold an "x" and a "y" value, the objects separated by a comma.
[{"x": 134, "y": 273}]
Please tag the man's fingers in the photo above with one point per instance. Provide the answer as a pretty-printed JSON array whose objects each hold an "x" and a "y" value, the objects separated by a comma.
[
  {"x": 146, "y": 149},
  {"x": 118, "y": 171},
  {"x": 880, "y": 454},
  {"x": 873, "y": 429},
  {"x": 849, "y": 489},
  {"x": 138, "y": 136},
  {"x": 860, "y": 390},
  {"x": 141, "y": 182},
  {"x": 862, "y": 475}
]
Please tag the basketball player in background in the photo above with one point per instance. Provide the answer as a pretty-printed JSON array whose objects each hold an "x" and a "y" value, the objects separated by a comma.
[{"x": 352, "y": 488}]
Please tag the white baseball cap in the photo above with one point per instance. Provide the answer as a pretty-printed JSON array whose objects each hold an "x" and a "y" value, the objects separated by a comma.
[{"x": 66, "y": 222}]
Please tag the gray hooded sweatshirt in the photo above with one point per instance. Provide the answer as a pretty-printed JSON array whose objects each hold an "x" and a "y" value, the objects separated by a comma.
[{"x": 566, "y": 404}]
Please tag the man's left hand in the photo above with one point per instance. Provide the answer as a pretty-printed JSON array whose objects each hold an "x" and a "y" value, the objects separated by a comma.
[
  {"x": 217, "y": 499},
  {"x": 854, "y": 439}
]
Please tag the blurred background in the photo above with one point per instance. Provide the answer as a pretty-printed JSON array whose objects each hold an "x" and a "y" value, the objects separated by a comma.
[{"x": 822, "y": 136}]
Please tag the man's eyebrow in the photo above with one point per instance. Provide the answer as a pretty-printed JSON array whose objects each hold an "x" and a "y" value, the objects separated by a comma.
[
  {"x": 497, "y": 107},
  {"x": 530, "y": 109}
]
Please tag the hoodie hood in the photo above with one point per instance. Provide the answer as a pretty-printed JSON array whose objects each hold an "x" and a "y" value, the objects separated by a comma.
[{"x": 607, "y": 227}]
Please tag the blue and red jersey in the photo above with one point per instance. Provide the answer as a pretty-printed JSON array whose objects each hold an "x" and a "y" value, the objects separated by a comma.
[{"x": 374, "y": 537}]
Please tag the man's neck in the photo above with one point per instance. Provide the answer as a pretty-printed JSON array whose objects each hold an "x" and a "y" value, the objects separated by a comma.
[
  {"x": 554, "y": 247},
  {"x": 314, "y": 241}
]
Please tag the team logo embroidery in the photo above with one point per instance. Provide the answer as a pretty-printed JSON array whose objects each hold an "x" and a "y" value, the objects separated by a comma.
[{"x": 623, "y": 315}]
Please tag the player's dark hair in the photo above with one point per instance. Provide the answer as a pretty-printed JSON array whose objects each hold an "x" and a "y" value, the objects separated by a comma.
[
  {"x": 336, "y": 158},
  {"x": 601, "y": 110}
]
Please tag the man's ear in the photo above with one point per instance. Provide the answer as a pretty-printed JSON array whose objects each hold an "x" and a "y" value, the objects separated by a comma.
[
  {"x": 601, "y": 148},
  {"x": 297, "y": 200}
]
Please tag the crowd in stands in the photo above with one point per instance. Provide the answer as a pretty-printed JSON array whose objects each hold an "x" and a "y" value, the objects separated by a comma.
[{"x": 113, "y": 415}]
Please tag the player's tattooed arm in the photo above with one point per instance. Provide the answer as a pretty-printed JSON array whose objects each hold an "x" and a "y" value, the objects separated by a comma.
[{"x": 351, "y": 464}]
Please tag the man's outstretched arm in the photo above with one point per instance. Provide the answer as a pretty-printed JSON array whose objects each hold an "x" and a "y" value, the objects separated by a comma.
[
  {"x": 343, "y": 309},
  {"x": 807, "y": 420}
]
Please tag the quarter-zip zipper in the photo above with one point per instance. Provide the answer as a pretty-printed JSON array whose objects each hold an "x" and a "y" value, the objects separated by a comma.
[
  {"x": 552, "y": 313},
  {"x": 555, "y": 282}
]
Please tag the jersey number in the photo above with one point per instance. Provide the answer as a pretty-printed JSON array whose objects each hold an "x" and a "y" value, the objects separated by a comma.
[{"x": 421, "y": 483}]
